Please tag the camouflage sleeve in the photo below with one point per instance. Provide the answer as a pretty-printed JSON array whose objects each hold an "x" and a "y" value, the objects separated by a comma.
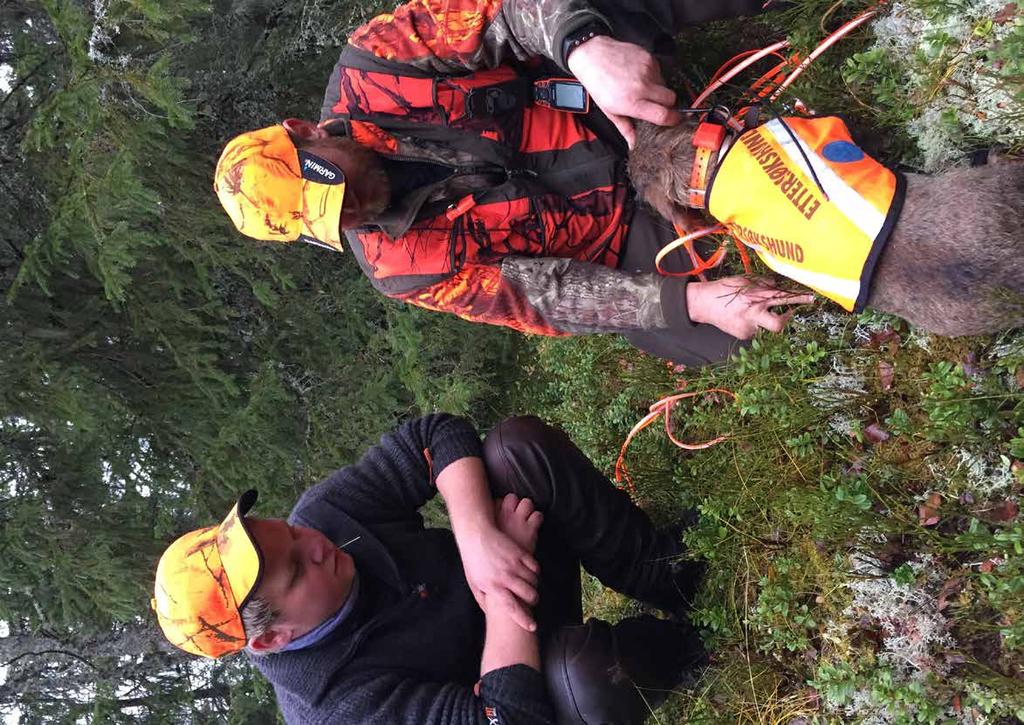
[
  {"x": 580, "y": 297},
  {"x": 554, "y": 296},
  {"x": 479, "y": 293},
  {"x": 448, "y": 36}
]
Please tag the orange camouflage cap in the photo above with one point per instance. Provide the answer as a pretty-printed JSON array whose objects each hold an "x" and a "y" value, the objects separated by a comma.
[
  {"x": 277, "y": 192},
  {"x": 202, "y": 581}
]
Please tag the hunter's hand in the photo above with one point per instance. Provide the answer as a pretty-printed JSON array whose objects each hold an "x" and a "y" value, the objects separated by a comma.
[
  {"x": 501, "y": 572},
  {"x": 625, "y": 81},
  {"x": 741, "y": 306}
]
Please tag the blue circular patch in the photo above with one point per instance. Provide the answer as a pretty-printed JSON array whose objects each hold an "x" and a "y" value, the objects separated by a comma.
[{"x": 842, "y": 152}]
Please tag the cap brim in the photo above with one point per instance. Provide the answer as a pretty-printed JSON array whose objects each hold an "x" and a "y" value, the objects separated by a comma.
[
  {"x": 239, "y": 554},
  {"x": 202, "y": 581},
  {"x": 321, "y": 213}
]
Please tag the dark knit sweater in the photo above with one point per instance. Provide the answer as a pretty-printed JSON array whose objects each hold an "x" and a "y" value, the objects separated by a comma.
[{"x": 410, "y": 652}]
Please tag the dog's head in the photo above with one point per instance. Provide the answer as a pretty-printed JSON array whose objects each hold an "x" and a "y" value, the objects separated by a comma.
[{"x": 659, "y": 166}]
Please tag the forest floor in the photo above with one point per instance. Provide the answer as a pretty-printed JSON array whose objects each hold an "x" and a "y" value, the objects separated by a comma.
[{"x": 861, "y": 520}]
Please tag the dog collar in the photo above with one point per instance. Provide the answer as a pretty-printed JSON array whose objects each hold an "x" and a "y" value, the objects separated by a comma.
[{"x": 708, "y": 142}]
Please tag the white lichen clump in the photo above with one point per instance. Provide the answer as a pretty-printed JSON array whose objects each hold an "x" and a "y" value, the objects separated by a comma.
[
  {"x": 966, "y": 100},
  {"x": 914, "y": 632},
  {"x": 836, "y": 393},
  {"x": 827, "y": 319},
  {"x": 913, "y": 628},
  {"x": 1008, "y": 354},
  {"x": 985, "y": 473}
]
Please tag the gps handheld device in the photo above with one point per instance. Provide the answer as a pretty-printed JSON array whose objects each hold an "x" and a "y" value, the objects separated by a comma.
[{"x": 562, "y": 94}]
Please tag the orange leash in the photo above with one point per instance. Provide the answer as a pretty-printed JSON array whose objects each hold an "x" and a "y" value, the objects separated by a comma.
[
  {"x": 686, "y": 241},
  {"x": 741, "y": 61},
  {"x": 664, "y": 407},
  {"x": 827, "y": 43},
  {"x": 700, "y": 265}
]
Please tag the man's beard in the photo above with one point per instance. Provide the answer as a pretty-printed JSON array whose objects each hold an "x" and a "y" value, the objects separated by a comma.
[
  {"x": 366, "y": 178},
  {"x": 373, "y": 181},
  {"x": 376, "y": 206}
]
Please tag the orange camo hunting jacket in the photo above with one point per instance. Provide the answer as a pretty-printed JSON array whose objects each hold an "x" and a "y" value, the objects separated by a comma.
[{"x": 532, "y": 183}]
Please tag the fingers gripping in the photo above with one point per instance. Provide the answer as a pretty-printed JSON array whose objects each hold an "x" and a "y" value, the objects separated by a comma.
[
  {"x": 518, "y": 611},
  {"x": 655, "y": 113}
]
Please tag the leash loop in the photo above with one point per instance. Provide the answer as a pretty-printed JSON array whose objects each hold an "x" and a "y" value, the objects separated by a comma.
[
  {"x": 700, "y": 265},
  {"x": 664, "y": 407}
]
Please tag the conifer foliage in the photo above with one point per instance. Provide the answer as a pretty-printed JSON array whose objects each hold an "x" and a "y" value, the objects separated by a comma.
[{"x": 153, "y": 364}]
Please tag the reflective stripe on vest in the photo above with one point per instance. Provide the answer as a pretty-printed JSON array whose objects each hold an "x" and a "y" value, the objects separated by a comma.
[{"x": 765, "y": 193}]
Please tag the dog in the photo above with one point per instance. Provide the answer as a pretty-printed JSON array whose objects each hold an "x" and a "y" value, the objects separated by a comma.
[{"x": 953, "y": 263}]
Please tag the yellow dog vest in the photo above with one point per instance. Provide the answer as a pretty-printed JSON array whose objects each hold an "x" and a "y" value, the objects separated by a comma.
[{"x": 824, "y": 229}]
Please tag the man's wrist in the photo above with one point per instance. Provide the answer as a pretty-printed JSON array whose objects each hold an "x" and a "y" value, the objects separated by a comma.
[
  {"x": 578, "y": 37},
  {"x": 471, "y": 526},
  {"x": 695, "y": 302},
  {"x": 506, "y": 643}
]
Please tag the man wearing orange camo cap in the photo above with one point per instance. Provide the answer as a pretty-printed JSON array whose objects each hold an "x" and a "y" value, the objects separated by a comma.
[
  {"x": 274, "y": 191},
  {"x": 357, "y": 613},
  {"x": 203, "y": 580},
  {"x": 465, "y": 184}
]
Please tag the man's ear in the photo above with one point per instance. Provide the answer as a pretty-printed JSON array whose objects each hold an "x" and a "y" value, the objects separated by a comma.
[
  {"x": 301, "y": 130},
  {"x": 272, "y": 639}
]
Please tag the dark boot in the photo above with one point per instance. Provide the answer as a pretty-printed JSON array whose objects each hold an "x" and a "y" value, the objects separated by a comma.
[{"x": 599, "y": 674}]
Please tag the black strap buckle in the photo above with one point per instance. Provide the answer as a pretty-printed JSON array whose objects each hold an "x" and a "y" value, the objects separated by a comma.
[{"x": 498, "y": 99}]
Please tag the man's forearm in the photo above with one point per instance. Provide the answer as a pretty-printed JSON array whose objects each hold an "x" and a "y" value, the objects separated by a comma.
[
  {"x": 463, "y": 486},
  {"x": 540, "y": 26},
  {"x": 581, "y": 297},
  {"x": 506, "y": 643},
  {"x": 496, "y": 566},
  {"x": 443, "y": 36}
]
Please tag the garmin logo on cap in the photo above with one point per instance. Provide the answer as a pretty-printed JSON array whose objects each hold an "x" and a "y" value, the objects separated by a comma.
[
  {"x": 310, "y": 165},
  {"x": 315, "y": 168}
]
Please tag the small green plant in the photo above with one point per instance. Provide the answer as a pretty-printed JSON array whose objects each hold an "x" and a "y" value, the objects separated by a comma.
[
  {"x": 953, "y": 405},
  {"x": 802, "y": 445},
  {"x": 1017, "y": 444},
  {"x": 875, "y": 72},
  {"x": 899, "y": 422},
  {"x": 781, "y": 618},
  {"x": 850, "y": 490},
  {"x": 1007, "y": 56},
  {"x": 836, "y": 682},
  {"x": 904, "y": 574}
]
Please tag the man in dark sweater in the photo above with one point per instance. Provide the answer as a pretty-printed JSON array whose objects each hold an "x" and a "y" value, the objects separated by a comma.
[{"x": 356, "y": 613}]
